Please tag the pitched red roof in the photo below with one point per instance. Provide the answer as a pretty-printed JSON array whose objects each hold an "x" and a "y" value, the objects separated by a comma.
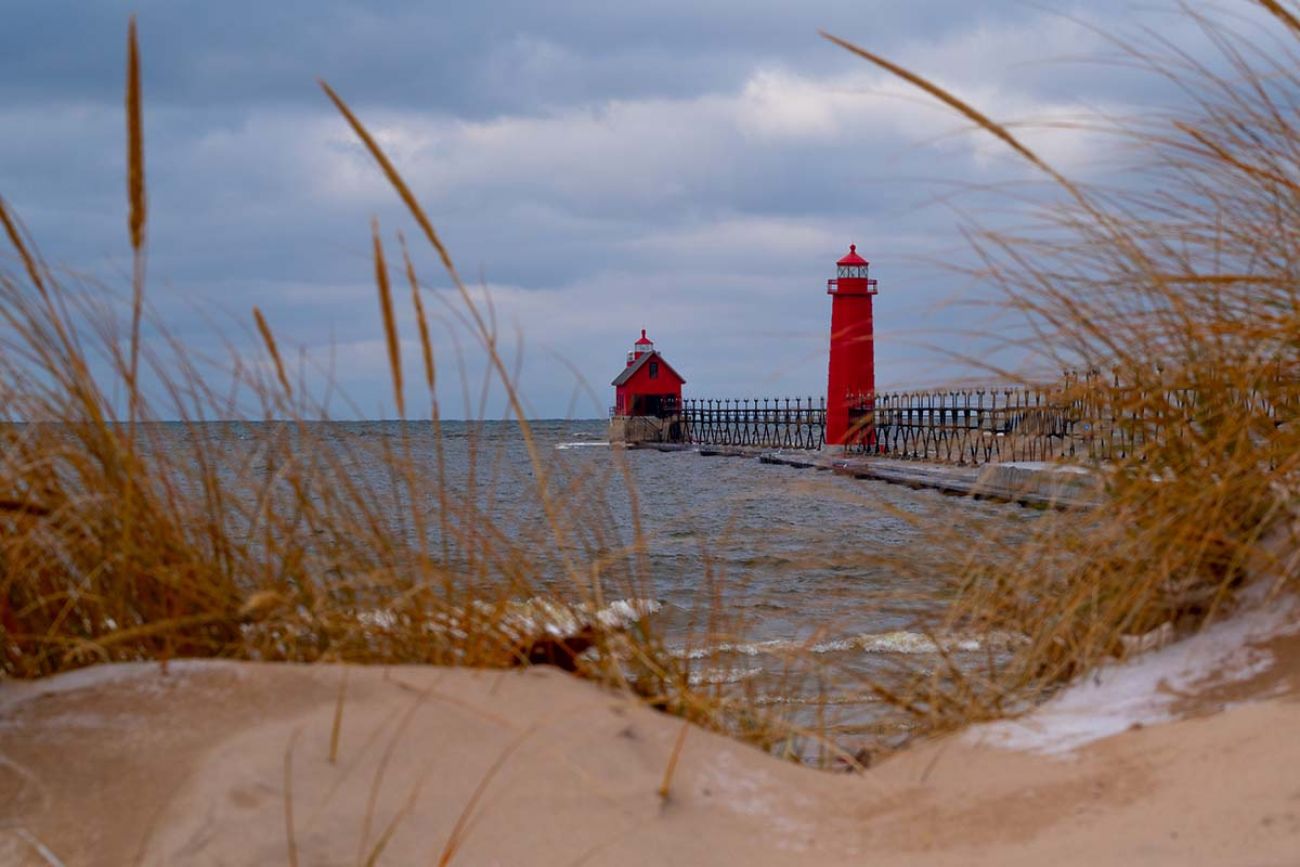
[{"x": 636, "y": 365}]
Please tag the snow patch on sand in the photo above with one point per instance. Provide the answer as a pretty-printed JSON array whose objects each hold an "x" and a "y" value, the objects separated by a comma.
[
  {"x": 755, "y": 793},
  {"x": 1144, "y": 690},
  {"x": 145, "y": 674}
]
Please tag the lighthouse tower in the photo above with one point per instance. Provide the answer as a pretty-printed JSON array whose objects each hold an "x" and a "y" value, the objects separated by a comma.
[{"x": 851, "y": 383}]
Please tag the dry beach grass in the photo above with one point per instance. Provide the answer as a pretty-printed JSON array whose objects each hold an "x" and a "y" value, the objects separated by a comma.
[
  {"x": 1181, "y": 290},
  {"x": 113, "y": 548},
  {"x": 118, "y": 546}
]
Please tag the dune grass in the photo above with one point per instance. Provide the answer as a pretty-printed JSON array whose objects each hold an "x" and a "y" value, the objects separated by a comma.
[
  {"x": 1182, "y": 290},
  {"x": 255, "y": 536},
  {"x": 115, "y": 544}
]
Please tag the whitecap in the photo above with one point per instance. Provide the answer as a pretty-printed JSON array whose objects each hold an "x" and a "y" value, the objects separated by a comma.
[
  {"x": 819, "y": 700},
  {"x": 896, "y": 642},
  {"x": 719, "y": 676}
]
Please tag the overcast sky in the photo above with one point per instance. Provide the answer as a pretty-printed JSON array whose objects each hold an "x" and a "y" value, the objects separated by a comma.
[{"x": 693, "y": 167}]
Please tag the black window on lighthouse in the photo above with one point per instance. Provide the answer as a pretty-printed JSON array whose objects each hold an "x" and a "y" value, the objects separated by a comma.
[{"x": 654, "y": 370}]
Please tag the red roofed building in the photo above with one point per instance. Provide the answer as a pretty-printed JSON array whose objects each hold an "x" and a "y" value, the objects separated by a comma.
[{"x": 648, "y": 385}]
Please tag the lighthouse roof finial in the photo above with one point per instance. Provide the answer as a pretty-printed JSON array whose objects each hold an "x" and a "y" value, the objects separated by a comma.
[
  {"x": 852, "y": 258},
  {"x": 644, "y": 339}
]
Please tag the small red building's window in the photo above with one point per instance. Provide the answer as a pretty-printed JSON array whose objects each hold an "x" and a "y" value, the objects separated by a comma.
[{"x": 654, "y": 370}]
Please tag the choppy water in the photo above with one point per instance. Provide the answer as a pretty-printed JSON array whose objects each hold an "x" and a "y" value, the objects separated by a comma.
[{"x": 791, "y": 559}]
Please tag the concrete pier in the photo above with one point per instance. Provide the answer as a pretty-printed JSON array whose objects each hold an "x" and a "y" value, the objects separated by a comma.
[
  {"x": 1027, "y": 483},
  {"x": 1038, "y": 484}
]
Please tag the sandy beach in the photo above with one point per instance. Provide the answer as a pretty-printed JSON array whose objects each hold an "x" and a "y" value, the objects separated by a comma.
[
  {"x": 1183, "y": 756},
  {"x": 346, "y": 520}
]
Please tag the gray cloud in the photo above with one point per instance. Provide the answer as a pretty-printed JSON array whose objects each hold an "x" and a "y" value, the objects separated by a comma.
[{"x": 690, "y": 167}]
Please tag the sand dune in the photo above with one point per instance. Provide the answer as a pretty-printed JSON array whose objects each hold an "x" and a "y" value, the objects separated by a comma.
[{"x": 123, "y": 764}]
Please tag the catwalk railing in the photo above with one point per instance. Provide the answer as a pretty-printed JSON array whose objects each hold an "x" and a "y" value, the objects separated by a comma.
[
  {"x": 978, "y": 426},
  {"x": 779, "y": 423},
  {"x": 1082, "y": 421}
]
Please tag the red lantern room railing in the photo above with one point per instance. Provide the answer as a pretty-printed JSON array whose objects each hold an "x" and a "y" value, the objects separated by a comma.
[{"x": 853, "y": 269}]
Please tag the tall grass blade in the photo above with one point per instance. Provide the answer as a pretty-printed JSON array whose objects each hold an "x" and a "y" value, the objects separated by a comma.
[
  {"x": 390, "y": 320},
  {"x": 268, "y": 339},
  {"x": 138, "y": 211}
]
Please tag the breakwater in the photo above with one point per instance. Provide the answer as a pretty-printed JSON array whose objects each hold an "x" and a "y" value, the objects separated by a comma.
[{"x": 1082, "y": 420}]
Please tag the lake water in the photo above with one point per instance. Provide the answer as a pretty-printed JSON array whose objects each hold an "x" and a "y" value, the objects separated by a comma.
[{"x": 792, "y": 585}]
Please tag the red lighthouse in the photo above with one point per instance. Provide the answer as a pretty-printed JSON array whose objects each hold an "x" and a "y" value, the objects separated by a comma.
[
  {"x": 647, "y": 386},
  {"x": 851, "y": 383},
  {"x": 647, "y": 399}
]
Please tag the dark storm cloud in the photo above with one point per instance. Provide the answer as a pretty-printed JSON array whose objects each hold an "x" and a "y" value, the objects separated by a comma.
[
  {"x": 474, "y": 59},
  {"x": 693, "y": 167}
]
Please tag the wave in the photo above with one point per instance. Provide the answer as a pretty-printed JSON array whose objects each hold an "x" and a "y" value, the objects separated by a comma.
[
  {"x": 819, "y": 700},
  {"x": 717, "y": 676},
  {"x": 902, "y": 641},
  {"x": 581, "y": 445},
  {"x": 896, "y": 642},
  {"x": 776, "y": 645},
  {"x": 535, "y": 616}
]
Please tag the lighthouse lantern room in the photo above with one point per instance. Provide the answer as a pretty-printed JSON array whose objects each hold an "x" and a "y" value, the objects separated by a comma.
[{"x": 851, "y": 380}]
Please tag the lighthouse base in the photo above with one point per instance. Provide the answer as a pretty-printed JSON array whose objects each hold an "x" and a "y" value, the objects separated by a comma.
[{"x": 633, "y": 429}]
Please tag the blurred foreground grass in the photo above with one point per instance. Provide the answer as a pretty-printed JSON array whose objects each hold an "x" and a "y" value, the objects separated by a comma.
[{"x": 116, "y": 546}]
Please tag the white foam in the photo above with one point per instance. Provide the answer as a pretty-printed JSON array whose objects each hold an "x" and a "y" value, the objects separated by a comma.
[
  {"x": 537, "y": 615},
  {"x": 717, "y": 676},
  {"x": 581, "y": 445},
  {"x": 379, "y": 619},
  {"x": 775, "y": 645},
  {"x": 1143, "y": 690},
  {"x": 915, "y": 642},
  {"x": 899, "y": 641},
  {"x": 819, "y": 700},
  {"x": 623, "y": 613}
]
